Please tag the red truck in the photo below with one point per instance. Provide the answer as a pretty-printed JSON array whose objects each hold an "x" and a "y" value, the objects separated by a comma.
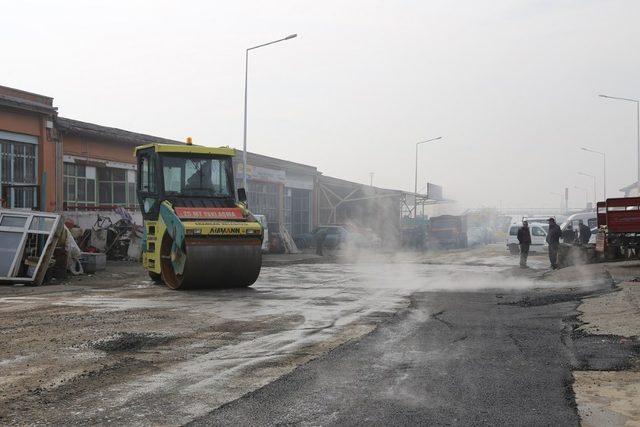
[
  {"x": 447, "y": 231},
  {"x": 618, "y": 227}
]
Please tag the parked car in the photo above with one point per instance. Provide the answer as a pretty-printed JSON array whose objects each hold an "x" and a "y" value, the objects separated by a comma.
[
  {"x": 538, "y": 237},
  {"x": 479, "y": 235},
  {"x": 338, "y": 235}
]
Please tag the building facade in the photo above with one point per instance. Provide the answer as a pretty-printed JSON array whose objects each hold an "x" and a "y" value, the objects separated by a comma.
[
  {"x": 281, "y": 190},
  {"x": 28, "y": 150},
  {"x": 84, "y": 170}
]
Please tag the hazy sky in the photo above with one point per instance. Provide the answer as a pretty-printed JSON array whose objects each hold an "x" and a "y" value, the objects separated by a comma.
[{"x": 511, "y": 85}]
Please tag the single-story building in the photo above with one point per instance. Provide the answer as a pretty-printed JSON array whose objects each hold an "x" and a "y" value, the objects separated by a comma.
[{"x": 83, "y": 170}]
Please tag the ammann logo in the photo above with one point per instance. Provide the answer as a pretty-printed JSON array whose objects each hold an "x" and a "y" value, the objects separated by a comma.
[{"x": 225, "y": 230}]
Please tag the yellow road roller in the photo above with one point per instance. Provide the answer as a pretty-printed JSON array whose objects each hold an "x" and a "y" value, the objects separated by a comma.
[{"x": 198, "y": 232}]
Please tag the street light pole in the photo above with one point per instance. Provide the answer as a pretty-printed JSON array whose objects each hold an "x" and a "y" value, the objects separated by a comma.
[
  {"x": 246, "y": 86},
  {"x": 586, "y": 194},
  {"x": 560, "y": 195},
  {"x": 595, "y": 197},
  {"x": 637, "y": 102},
  {"x": 415, "y": 187},
  {"x": 604, "y": 169}
]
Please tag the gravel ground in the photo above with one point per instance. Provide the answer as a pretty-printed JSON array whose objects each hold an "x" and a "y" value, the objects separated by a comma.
[{"x": 115, "y": 347}]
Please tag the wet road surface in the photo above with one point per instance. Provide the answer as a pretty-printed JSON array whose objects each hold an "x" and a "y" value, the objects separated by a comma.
[
  {"x": 300, "y": 346},
  {"x": 450, "y": 358}
]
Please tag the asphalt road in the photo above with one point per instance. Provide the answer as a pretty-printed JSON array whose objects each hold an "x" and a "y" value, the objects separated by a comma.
[
  {"x": 454, "y": 338},
  {"x": 450, "y": 358}
]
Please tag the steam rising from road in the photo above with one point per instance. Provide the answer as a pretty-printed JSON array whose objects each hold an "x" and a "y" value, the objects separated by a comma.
[{"x": 487, "y": 267}]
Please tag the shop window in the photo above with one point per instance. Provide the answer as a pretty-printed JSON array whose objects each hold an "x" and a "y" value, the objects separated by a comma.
[
  {"x": 287, "y": 209},
  {"x": 300, "y": 211},
  {"x": 263, "y": 199}
]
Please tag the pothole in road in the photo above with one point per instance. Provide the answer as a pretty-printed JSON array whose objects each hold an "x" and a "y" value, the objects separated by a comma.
[
  {"x": 558, "y": 297},
  {"x": 130, "y": 341},
  {"x": 605, "y": 352}
]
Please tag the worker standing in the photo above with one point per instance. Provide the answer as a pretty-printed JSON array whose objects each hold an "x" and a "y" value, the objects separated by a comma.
[
  {"x": 585, "y": 232},
  {"x": 320, "y": 238},
  {"x": 524, "y": 238},
  {"x": 553, "y": 239},
  {"x": 569, "y": 235}
]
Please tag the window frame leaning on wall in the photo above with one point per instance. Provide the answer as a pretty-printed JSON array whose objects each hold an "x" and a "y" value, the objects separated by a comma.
[{"x": 52, "y": 233}]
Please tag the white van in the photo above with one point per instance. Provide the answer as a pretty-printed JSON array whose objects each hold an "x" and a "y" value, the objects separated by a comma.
[
  {"x": 588, "y": 218},
  {"x": 538, "y": 237}
]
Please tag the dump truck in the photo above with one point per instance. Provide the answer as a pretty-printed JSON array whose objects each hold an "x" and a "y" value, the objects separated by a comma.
[
  {"x": 197, "y": 233},
  {"x": 448, "y": 231},
  {"x": 618, "y": 227}
]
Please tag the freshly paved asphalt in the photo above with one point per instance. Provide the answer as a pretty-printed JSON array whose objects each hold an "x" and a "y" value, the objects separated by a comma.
[{"x": 450, "y": 358}]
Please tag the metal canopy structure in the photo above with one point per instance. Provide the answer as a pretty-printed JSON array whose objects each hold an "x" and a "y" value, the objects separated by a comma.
[
  {"x": 380, "y": 209},
  {"x": 342, "y": 201},
  {"x": 421, "y": 200},
  {"x": 27, "y": 241}
]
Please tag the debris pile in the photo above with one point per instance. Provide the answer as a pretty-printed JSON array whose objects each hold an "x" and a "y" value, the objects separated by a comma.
[{"x": 121, "y": 240}]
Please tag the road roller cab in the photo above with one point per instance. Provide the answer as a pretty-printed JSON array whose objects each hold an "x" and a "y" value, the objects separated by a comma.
[{"x": 198, "y": 234}]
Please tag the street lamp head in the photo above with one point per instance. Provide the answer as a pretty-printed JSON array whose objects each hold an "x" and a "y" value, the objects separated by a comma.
[
  {"x": 291, "y": 36},
  {"x": 428, "y": 140},
  {"x": 603, "y": 96}
]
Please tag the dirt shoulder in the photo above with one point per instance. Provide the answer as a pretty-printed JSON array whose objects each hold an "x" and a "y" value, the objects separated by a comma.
[{"x": 612, "y": 397}]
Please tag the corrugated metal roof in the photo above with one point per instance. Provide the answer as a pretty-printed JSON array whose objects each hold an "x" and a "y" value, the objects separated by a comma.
[{"x": 76, "y": 127}]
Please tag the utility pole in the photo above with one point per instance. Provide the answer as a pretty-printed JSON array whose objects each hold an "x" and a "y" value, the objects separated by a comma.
[
  {"x": 559, "y": 195},
  {"x": 371, "y": 179},
  {"x": 415, "y": 187}
]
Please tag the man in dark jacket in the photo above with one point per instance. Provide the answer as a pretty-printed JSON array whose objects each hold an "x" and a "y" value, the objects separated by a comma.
[
  {"x": 321, "y": 236},
  {"x": 524, "y": 238},
  {"x": 569, "y": 235},
  {"x": 553, "y": 239},
  {"x": 585, "y": 232}
]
